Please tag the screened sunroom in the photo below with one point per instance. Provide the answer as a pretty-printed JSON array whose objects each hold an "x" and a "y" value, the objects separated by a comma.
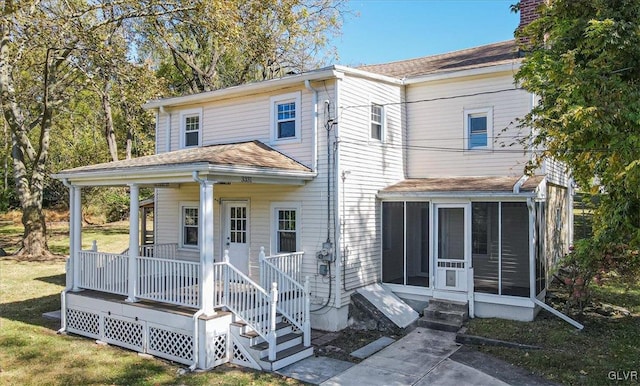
[{"x": 477, "y": 239}]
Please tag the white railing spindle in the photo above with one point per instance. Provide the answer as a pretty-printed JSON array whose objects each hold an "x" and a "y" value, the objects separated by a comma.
[{"x": 100, "y": 271}]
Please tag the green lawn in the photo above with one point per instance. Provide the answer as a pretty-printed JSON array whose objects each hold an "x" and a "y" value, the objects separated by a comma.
[{"x": 569, "y": 356}]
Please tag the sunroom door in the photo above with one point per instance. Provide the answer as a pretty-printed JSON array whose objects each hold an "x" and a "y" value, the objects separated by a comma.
[
  {"x": 236, "y": 234},
  {"x": 451, "y": 247}
]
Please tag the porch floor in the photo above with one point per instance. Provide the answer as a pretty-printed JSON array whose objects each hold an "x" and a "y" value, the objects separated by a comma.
[{"x": 178, "y": 310}]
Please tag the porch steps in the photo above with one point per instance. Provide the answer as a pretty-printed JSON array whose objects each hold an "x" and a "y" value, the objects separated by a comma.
[
  {"x": 289, "y": 345},
  {"x": 444, "y": 315}
]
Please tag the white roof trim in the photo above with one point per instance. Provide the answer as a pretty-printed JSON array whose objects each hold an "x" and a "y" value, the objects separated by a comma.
[
  {"x": 177, "y": 173},
  {"x": 491, "y": 69},
  {"x": 335, "y": 71}
]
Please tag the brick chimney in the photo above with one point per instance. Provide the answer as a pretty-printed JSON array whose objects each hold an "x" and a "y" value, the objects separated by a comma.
[{"x": 528, "y": 13}]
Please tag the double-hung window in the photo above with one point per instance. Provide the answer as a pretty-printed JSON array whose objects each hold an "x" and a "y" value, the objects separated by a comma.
[
  {"x": 286, "y": 227},
  {"x": 478, "y": 128},
  {"x": 190, "y": 128},
  {"x": 377, "y": 121},
  {"x": 190, "y": 220},
  {"x": 285, "y": 117}
]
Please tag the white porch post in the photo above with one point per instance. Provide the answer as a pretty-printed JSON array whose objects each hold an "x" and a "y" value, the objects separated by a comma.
[
  {"x": 134, "y": 242},
  {"x": 206, "y": 248},
  {"x": 75, "y": 219}
]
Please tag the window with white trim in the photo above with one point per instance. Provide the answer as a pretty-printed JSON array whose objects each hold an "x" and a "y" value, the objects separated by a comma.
[
  {"x": 285, "y": 117},
  {"x": 190, "y": 220},
  {"x": 377, "y": 121},
  {"x": 478, "y": 128},
  {"x": 286, "y": 221},
  {"x": 190, "y": 128}
]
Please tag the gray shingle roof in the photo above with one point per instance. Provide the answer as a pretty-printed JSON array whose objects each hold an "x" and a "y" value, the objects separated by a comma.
[
  {"x": 462, "y": 184},
  {"x": 487, "y": 55},
  {"x": 251, "y": 154}
]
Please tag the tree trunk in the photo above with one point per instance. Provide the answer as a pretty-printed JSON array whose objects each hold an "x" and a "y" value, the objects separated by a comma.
[
  {"x": 34, "y": 242},
  {"x": 109, "y": 132}
]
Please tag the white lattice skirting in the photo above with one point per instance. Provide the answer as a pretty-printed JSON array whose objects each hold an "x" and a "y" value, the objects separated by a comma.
[{"x": 138, "y": 329}]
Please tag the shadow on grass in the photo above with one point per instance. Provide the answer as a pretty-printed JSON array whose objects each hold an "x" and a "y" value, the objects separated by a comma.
[
  {"x": 54, "y": 279},
  {"x": 30, "y": 311}
]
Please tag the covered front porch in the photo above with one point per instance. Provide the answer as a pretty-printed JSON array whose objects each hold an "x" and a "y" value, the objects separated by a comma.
[{"x": 158, "y": 299}]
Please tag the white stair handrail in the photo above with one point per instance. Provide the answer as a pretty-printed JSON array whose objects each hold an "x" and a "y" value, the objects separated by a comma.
[{"x": 293, "y": 301}]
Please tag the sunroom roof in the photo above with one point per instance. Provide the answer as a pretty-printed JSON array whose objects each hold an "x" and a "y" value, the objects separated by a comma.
[{"x": 501, "y": 184}]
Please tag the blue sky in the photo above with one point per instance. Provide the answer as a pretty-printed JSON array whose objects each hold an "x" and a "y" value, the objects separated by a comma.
[{"x": 390, "y": 30}]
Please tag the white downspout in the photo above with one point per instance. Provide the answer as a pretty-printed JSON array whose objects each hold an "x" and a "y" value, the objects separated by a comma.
[
  {"x": 314, "y": 126},
  {"x": 532, "y": 271},
  {"x": 196, "y": 345},
  {"x": 167, "y": 137},
  {"x": 518, "y": 184},
  {"x": 68, "y": 265}
]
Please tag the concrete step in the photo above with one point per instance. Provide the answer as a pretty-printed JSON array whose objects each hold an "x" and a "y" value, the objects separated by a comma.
[
  {"x": 282, "y": 343},
  {"x": 444, "y": 315},
  {"x": 438, "y": 324},
  {"x": 441, "y": 304},
  {"x": 450, "y": 316},
  {"x": 288, "y": 356}
]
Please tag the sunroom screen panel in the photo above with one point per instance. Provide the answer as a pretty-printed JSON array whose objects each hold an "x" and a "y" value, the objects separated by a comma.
[
  {"x": 393, "y": 242},
  {"x": 515, "y": 249}
]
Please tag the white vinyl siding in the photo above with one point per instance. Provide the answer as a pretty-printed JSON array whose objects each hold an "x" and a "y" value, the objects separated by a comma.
[
  {"x": 365, "y": 167},
  {"x": 438, "y": 132}
]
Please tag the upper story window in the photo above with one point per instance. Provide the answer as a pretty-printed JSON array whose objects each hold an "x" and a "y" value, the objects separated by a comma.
[
  {"x": 478, "y": 128},
  {"x": 285, "y": 117},
  {"x": 191, "y": 128},
  {"x": 377, "y": 121}
]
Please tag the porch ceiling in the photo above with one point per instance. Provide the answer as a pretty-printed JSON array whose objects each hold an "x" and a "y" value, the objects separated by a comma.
[
  {"x": 251, "y": 161},
  {"x": 468, "y": 186}
]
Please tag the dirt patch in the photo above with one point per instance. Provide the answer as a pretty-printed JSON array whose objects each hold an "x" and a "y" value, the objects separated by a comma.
[{"x": 348, "y": 341}]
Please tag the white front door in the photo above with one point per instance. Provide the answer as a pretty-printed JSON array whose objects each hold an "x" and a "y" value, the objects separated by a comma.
[
  {"x": 451, "y": 252},
  {"x": 236, "y": 234}
]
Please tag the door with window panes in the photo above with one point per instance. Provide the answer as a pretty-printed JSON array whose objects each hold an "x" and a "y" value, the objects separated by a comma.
[{"x": 236, "y": 234}]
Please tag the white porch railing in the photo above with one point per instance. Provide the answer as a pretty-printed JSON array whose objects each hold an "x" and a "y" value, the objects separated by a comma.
[
  {"x": 161, "y": 251},
  {"x": 293, "y": 297},
  {"x": 173, "y": 281},
  {"x": 168, "y": 281},
  {"x": 248, "y": 300},
  {"x": 287, "y": 263},
  {"x": 106, "y": 272}
]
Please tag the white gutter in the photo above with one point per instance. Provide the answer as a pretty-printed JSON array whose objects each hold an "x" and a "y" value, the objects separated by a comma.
[
  {"x": 314, "y": 126},
  {"x": 532, "y": 272},
  {"x": 461, "y": 194},
  {"x": 164, "y": 170},
  {"x": 251, "y": 88},
  {"x": 335, "y": 71}
]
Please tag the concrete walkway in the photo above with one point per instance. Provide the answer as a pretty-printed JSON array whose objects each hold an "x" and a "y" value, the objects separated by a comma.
[{"x": 422, "y": 357}]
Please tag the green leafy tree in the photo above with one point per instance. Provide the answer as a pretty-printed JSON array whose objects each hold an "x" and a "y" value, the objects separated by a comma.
[
  {"x": 583, "y": 62},
  {"x": 45, "y": 54},
  {"x": 221, "y": 43}
]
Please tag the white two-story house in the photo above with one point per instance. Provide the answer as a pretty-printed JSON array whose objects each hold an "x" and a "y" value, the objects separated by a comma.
[{"x": 276, "y": 200}]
